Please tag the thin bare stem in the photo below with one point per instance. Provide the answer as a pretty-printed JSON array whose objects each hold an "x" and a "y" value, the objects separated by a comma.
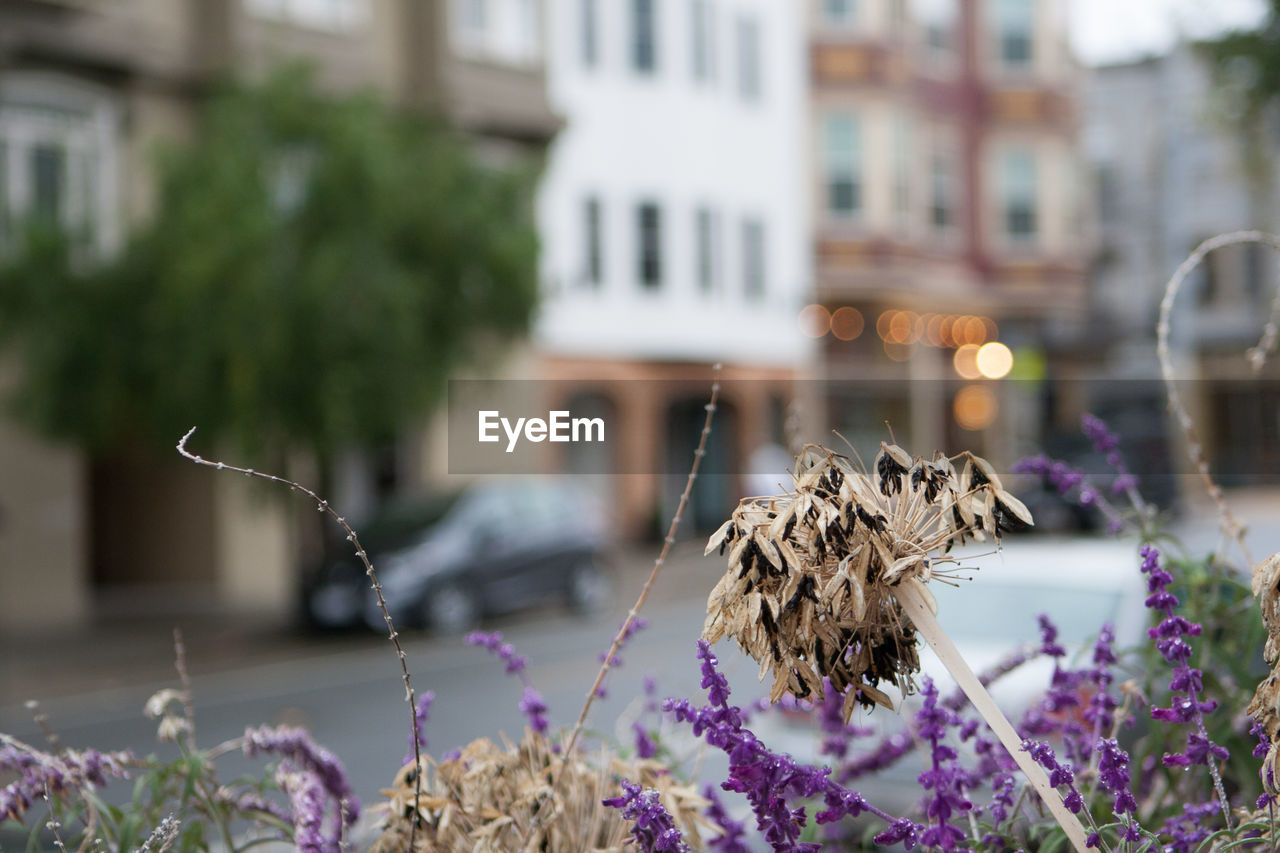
[
  {"x": 42, "y": 720},
  {"x": 184, "y": 677},
  {"x": 1231, "y": 528},
  {"x": 653, "y": 576},
  {"x": 392, "y": 634}
]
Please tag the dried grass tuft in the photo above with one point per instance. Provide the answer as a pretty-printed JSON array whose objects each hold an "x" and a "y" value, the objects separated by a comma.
[
  {"x": 501, "y": 798},
  {"x": 1265, "y": 707},
  {"x": 812, "y": 574}
]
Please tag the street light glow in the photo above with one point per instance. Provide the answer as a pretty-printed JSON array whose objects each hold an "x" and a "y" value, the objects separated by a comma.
[{"x": 994, "y": 360}]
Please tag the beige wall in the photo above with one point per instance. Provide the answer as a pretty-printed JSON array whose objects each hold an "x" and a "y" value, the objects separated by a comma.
[{"x": 43, "y": 572}]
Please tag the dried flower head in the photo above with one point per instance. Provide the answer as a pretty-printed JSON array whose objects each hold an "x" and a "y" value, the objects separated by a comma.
[
  {"x": 500, "y": 798},
  {"x": 809, "y": 592},
  {"x": 1265, "y": 707}
]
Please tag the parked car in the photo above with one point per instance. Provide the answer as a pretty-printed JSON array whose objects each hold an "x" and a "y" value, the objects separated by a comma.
[{"x": 491, "y": 548}]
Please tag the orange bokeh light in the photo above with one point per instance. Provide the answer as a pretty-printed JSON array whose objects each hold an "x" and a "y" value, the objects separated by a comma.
[{"x": 847, "y": 323}]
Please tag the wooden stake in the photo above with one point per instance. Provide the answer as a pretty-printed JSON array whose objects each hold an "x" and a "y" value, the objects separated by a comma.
[{"x": 913, "y": 602}]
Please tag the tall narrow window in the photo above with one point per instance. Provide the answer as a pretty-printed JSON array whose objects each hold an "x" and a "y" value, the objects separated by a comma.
[
  {"x": 649, "y": 244},
  {"x": 748, "y": 58},
  {"x": 644, "y": 35},
  {"x": 1015, "y": 30},
  {"x": 753, "y": 278},
  {"x": 702, "y": 29},
  {"x": 1018, "y": 179},
  {"x": 589, "y": 19},
  {"x": 843, "y": 166},
  {"x": 942, "y": 191},
  {"x": 902, "y": 155},
  {"x": 706, "y": 227},
  {"x": 593, "y": 240},
  {"x": 938, "y": 21},
  {"x": 48, "y": 180}
]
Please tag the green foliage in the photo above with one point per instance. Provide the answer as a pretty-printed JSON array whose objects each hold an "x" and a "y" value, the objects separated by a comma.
[
  {"x": 1250, "y": 61},
  {"x": 315, "y": 268}
]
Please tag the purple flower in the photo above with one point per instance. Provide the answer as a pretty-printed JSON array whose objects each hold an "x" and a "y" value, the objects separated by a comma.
[
  {"x": 307, "y": 801},
  {"x": 645, "y": 747},
  {"x": 40, "y": 774},
  {"x": 421, "y": 714},
  {"x": 732, "y": 832},
  {"x": 652, "y": 827},
  {"x": 532, "y": 706},
  {"x": 1113, "y": 774},
  {"x": 637, "y": 624},
  {"x": 503, "y": 651},
  {"x": 1060, "y": 775},
  {"x": 1097, "y": 431},
  {"x": 768, "y": 779},
  {"x": 301, "y": 756},
  {"x": 1188, "y": 829},
  {"x": 943, "y": 778},
  {"x": 1185, "y": 705}
]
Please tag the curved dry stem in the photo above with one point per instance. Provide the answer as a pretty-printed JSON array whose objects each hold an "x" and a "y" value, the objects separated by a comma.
[
  {"x": 648, "y": 584},
  {"x": 1231, "y": 527},
  {"x": 392, "y": 634}
]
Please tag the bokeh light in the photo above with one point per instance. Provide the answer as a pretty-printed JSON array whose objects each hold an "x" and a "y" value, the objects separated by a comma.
[
  {"x": 975, "y": 407},
  {"x": 847, "y": 323},
  {"x": 814, "y": 320},
  {"x": 994, "y": 360},
  {"x": 966, "y": 362}
]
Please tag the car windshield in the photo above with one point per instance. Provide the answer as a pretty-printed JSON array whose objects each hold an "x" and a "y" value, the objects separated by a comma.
[
  {"x": 1006, "y": 613},
  {"x": 399, "y": 524}
]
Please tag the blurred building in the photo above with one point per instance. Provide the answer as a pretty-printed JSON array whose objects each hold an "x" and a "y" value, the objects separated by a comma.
[
  {"x": 1172, "y": 169},
  {"x": 675, "y": 236},
  {"x": 948, "y": 214},
  {"x": 86, "y": 90}
]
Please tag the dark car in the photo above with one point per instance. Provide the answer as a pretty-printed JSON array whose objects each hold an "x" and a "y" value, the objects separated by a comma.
[{"x": 492, "y": 548}]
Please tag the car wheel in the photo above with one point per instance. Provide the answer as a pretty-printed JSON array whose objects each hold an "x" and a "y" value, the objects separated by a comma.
[
  {"x": 590, "y": 589},
  {"x": 451, "y": 610}
]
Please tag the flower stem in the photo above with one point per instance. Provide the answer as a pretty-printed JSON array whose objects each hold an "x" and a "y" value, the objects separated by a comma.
[{"x": 926, "y": 623}]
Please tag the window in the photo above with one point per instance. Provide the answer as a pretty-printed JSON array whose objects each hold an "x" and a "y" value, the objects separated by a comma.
[
  {"x": 1018, "y": 194},
  {"x": 707, "y": 227},
  {"x": 753, "y": 258},
  {"x": 902, "y": 169},
  {"x": 506, "y": 31},
  {"x": 749, "y": 58},
  {"x": 702, "y": 27},
  {"x": 938, "y": 21},
  {"x": 644, "y": 34},
  {"x": 58, "y": 148},
  {"x": 843, "y": 166},
  {"x": 649, "y": 243},
  {"x": 48, "y": 181},
  {"x": 840, "y": 12},
  {"x": 942, "y": 191},
  {"x": 335, "y": 15},
  {"x": 1015, "y": 29},
  {"x": 590, "y": 19},
  {"x": 593, "y": 238}
]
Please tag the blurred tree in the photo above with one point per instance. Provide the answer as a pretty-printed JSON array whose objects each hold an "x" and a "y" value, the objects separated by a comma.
[
  {"x": 1249, "y": 62},
  {"x": 1246, "y": 68},
  {"x": 315, "y": 268}
]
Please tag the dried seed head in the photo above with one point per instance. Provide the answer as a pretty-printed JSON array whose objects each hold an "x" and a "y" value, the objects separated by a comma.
[
  {"x": 500, "y": 798},
  {"x": 810, "y": 587},
  {"x": 1265, "y": 707}
]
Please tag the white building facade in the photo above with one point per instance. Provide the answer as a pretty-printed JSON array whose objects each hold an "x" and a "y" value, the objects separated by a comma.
[{"x": 674, "y": 211}]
